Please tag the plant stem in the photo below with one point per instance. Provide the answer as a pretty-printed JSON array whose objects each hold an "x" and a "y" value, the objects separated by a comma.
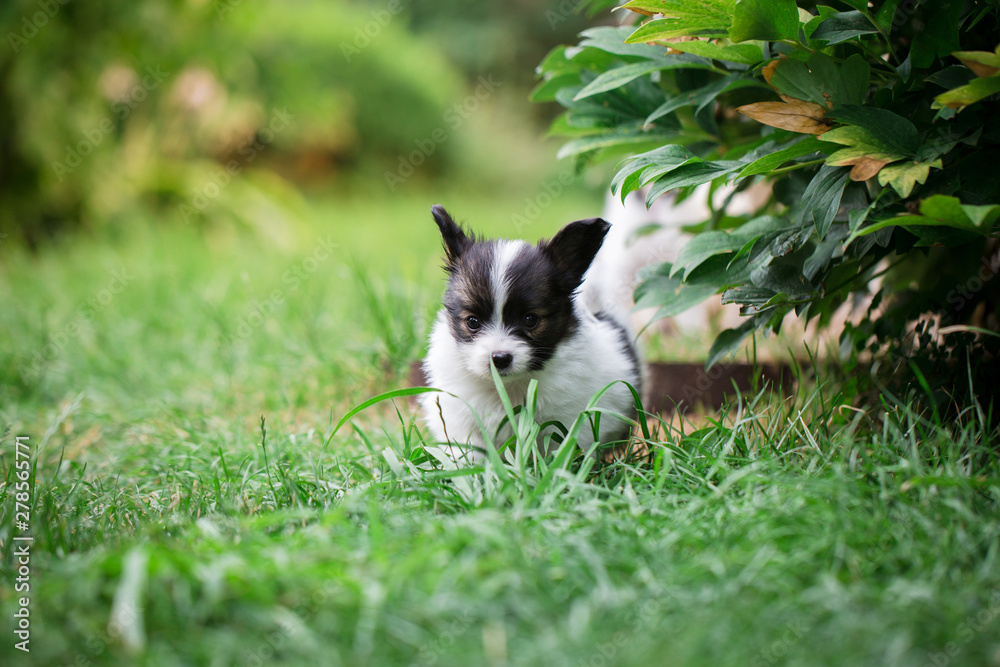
[
  {"x": 267, "y": 466},
  {"x": 882, "y": 33},
  {"x": 800, "y": 165}
]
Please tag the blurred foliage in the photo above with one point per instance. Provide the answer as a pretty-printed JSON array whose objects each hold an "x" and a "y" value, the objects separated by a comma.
[
  {"x": 869, "y": 122},
  {"x": 490, "y": 37},
  {"x": 106, "y": 105},
  {"x": 109, "y": 107}
]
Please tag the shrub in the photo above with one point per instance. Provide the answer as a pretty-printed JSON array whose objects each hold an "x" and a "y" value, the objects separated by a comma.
[{"x": 870, "y": 121}]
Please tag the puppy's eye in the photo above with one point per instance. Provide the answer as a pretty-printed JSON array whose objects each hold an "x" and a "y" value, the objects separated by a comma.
[
  {"x": 530, "y": 321},
  {"x": 473, "y": 323}
]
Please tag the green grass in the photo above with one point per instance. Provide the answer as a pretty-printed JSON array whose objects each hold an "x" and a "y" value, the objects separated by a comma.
[{"x": 789, "y": 532}]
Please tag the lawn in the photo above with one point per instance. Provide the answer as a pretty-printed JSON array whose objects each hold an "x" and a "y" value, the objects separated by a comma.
[{"x": 191, "y": 503}]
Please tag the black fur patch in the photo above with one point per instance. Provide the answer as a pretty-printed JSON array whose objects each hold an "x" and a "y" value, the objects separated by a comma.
[
  {"x": 455, "y": 240},
  {"x": 573, "y": 249},
  {"x": 469, "y": 291},
  {"x": 537, "y": 285},
  {"x": 626, "y": 340}
]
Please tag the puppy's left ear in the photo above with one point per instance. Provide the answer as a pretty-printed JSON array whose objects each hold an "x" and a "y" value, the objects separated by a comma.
[
  {"x": 573, "y": 249},
  {"x": 454, "y": 238}
]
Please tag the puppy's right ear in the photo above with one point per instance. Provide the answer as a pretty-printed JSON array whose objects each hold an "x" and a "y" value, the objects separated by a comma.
[{"x": 455, "y": 240}]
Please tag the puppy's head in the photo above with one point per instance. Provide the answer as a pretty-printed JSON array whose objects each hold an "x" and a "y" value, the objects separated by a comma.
[{"x": 511, "y": 302}]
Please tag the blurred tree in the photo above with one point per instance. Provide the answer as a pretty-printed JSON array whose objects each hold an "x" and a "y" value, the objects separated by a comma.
[
  {"x": 104, "y": 105},
  {"x": 504, "y": 38}
]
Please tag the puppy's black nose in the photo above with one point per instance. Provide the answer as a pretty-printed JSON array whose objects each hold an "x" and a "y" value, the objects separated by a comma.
[{"x": 502, "y": 359}]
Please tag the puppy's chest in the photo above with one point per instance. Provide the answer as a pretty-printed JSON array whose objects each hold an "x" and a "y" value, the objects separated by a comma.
[{"x": 555, "y": 398}]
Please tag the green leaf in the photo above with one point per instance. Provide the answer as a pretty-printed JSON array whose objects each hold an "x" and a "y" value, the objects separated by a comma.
[
  {"x": 821, "y": 198},
  {"x": 700, "y": 97},
  {"x": 904, "y": 176},
  {"x": 782, "y": 277},
  {"x": 857, "y": 217},
  {"x": 669, "y": 295},
  {"x": 546, "y": 90},
  {"x": 614, "y": 138},
  {"x": 951, "y": 211},
  {"x": 612, "y": 40},
  {"x": 772, "y": 161},
  {"x": 880, "y": 129},
  {"x": 843, "y": 26},
  {"x": 856, "y": 74},
  {"x": 747, "y": 295},
  {"x": 720, "y": 9},
  {"x": 619, "y": 76},
  {"x": 690, "y": 174},
  {"x": 703, "y": 246},
  {"x": 557, "y": 61},
  {"x": 972, "y": 92},
  {"x": 747, "y": 54},
  {"x": 941, "y": 211},
  {"x": 727, "y": 342},
  {"x": 951, "y": 77},
  {"x": 829, "y": 248},
  {"x": 886, "y": 14},
  {"x": 668, "y": 29},
  {"x": 817, "y": 81},
  {"x": 810, "y": 24},
  {"x": 764, "y": 19},
  {"x": 669, "y": 156},
  {"x": 939, "y": 35}
]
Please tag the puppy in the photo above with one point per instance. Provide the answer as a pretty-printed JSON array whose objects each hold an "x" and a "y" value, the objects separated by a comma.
[{"x": 525, "y": 309}]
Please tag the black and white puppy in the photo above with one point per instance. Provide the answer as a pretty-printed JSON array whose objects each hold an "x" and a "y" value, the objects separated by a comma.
[{"x": 525, "y": 308}]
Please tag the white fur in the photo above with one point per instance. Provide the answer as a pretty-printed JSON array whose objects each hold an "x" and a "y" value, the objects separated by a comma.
[
  {"x": 494, "y": 337},
  {"x": 504, "y": 255},
  {"x": 593, "y": 357}
]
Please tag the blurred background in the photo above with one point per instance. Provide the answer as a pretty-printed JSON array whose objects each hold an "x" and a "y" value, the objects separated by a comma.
[
  {"x": 257, "y": 114},
  {"x": 176, "y": 174}
]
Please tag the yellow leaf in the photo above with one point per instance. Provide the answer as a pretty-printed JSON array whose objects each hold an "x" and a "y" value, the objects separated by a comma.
[
  {"x": 795, "y": 115},
  {"x": 979, "y": 69},
  {"x": 866, "y": 167},
  {"x": 982, "y": 63},
  {"x": 770, "y": 68}
]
